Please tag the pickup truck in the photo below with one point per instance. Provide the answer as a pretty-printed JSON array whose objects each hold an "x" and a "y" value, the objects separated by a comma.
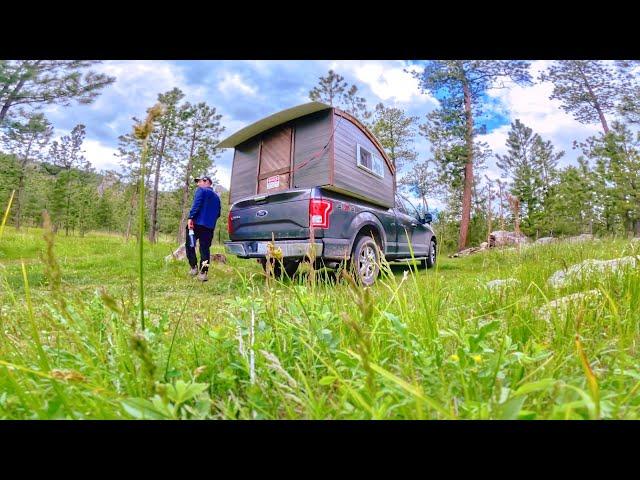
[{"x": 344, "y": 229}]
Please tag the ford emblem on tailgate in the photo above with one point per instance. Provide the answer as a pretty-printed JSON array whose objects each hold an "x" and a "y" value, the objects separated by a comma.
[{"x": 261, "y": 213}]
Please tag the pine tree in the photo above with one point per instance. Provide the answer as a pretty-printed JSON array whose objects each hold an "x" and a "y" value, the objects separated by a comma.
[
  {"x": 461, "y": 86},
  {"x": 335, "y": 91},
  {"x": 168, "y": 127},
  {"x": 330, "y": 89},
  {"x": 588, "y": 89},
  {"x": 35, "y": 83},
  {"x": 26, "y": 140},
  {"x": 396, "y": 132},
  {"x": 200, "y": 134},
  {"x": 618, "y": 156},
  {"x": 530, "y": 163},
  {"x": 445, "y": 130},
  {"x": 67, "y": 156},
  {"x": 571, "y": 201}
]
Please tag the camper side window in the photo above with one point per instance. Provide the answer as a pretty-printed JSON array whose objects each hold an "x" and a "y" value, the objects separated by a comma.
[{"x": 369, "y": 161}]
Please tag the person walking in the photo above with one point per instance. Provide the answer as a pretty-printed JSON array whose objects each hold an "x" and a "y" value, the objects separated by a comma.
[{"x": 203, "y": 216}]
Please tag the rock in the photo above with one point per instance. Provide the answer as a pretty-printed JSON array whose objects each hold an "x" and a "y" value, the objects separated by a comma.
[
  {"x": 563, "y": 304},
  {"x": 484, "y": 245},
  {"x": 501, "y": 284},
  {"x": 500, "y": 238},
  {"x": 180, "y": 253},
  {"x": 545, "y": 240},
  {"x": 219, "y": 257},
  {"x": 588, "y": 268},
  {"x": 585, "y": 237},
  {"x": 467, "y": 251}
]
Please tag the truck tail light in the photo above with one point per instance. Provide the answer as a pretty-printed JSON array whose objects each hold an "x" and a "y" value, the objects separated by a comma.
[
  {"x": 229, "y": 225},
  {"x": 319, "y": 213}
]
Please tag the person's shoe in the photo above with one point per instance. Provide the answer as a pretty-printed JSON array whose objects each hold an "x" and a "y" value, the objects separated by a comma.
[
  {"x": 203, "y": 277},
  {"x": 193, "y": 272}
]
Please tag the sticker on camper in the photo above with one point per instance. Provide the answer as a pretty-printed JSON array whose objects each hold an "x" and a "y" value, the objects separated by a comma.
[{"x": 273, "y": 182}]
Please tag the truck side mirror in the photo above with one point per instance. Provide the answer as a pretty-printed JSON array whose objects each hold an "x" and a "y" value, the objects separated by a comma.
[{"x": 428, "y": 218}]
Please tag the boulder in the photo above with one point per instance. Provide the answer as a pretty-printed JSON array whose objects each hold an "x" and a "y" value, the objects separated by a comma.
[
  {"x": 500, "y": 284},
  {"x": 501, "y": 238},
  {"x": 180, "y": 253},
  {"x": 468, "y": 251},
  {"x": 545, "y": 240},
  {"x": 589, "y": 268},
  {"x": 585, "y": 237},
  {"x": 563, "y": 304}
]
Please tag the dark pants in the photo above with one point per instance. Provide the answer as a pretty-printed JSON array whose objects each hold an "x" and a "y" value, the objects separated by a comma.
[{"x": 204, "y": 236}]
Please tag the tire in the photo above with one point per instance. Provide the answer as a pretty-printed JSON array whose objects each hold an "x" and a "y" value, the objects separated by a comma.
[
  {"x": 289, "y": 270},
  {"x": 365, "y": 260},
  {"x": 432, "y": 255}
]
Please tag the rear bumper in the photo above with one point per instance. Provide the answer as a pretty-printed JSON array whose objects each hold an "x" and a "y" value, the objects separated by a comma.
[{"x": 328, "y": 248}]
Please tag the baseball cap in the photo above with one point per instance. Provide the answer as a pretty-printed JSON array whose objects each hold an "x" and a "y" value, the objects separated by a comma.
[{"x": 204, "y": 177}]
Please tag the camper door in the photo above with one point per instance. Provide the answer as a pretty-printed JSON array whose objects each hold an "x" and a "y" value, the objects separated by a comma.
[{"x": 274, "y": 167}]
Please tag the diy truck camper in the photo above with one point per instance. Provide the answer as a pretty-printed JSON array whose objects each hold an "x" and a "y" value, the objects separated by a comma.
[{"x": 311, "y": 145}]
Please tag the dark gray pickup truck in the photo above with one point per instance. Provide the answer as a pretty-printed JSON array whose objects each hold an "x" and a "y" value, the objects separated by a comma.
[{"x": 344, "y": 228}]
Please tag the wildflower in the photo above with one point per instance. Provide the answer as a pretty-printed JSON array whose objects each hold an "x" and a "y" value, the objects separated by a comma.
[
  {"x": 454, "y": 358},
  {"x": 477, "y": 358}
]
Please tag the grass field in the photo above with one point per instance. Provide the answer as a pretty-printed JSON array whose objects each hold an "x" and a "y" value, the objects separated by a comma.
[{"x": 424, "y": 344}]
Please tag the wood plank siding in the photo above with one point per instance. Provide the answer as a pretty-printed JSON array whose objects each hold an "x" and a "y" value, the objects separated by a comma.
[
  {"x": 318, "y": 149},
  {"x": 350, "y": 177},
  {"x": 275, "y": 159},
  {"x": 310, "y": 163},
  {"x": 244, "y": 170}
]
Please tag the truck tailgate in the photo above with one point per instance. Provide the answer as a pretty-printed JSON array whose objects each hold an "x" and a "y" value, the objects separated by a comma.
[{"x": 283, "y": 214}]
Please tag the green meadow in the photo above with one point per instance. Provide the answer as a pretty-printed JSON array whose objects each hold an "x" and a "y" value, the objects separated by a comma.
[{"x": 419, "y": 344}]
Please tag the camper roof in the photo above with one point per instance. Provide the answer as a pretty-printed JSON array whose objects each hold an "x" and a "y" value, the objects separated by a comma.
[{"x": 271, "y": 121}]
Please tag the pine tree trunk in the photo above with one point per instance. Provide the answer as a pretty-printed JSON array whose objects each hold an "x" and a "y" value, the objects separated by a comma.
[
  {"x": 468, "y": 172},
  {"x": 131, "y": 211},
  {"x": 596, "y": 105},
  {"x": 156, "y": 186},
  {"x": 185, "y": 191},
  {"x": 19, "y": 198},
  {"x": 12, "y": 97}
]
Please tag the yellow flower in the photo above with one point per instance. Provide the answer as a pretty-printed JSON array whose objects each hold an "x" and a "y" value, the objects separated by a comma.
[
  {"x": 477, "y": 358},
  {"x": 454, "y": 357}
]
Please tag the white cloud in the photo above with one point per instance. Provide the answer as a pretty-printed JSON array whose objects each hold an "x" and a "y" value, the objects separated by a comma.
[
  {"x": 533, "y": 107},
  {"x": 140, "y": 81},
  {"x": 232, "y": 82},
  {"x": 223, "y": 174},
  {"x": 387, "y": 80},
  {"x": 100, "y": 156}
]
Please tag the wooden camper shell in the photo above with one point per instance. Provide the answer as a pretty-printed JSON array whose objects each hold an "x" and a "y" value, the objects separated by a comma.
[{"x": 311, "y": 145}]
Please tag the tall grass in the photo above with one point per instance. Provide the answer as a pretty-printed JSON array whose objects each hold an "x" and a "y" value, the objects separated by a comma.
[
  {"x": 142, "y": 132},
  {"x": 420, "y": 344}
]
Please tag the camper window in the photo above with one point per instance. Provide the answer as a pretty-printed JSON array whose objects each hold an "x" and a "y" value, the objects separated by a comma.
[{"x": 369, "y": 161}]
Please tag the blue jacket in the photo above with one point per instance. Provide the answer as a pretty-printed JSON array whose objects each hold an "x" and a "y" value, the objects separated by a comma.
[{"x": 206, "y": 207}]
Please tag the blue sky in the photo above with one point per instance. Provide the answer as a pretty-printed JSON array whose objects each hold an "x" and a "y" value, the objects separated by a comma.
[{"x": 248, "y": 90}]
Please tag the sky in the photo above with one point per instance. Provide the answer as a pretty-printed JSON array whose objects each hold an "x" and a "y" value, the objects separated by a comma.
[{"x": 245, "y": 91}]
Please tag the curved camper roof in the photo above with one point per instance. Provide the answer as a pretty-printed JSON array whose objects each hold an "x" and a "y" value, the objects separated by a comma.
[
  {"x": 290, "y": 114},
  {"x": 271, "y": 121}
]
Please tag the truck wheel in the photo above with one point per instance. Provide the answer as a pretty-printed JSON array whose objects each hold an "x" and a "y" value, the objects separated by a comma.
[
  {"x": 290, "y": 267},
  {"x": 430, "y": 261},
  {"x": 366, "y": 260}
]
